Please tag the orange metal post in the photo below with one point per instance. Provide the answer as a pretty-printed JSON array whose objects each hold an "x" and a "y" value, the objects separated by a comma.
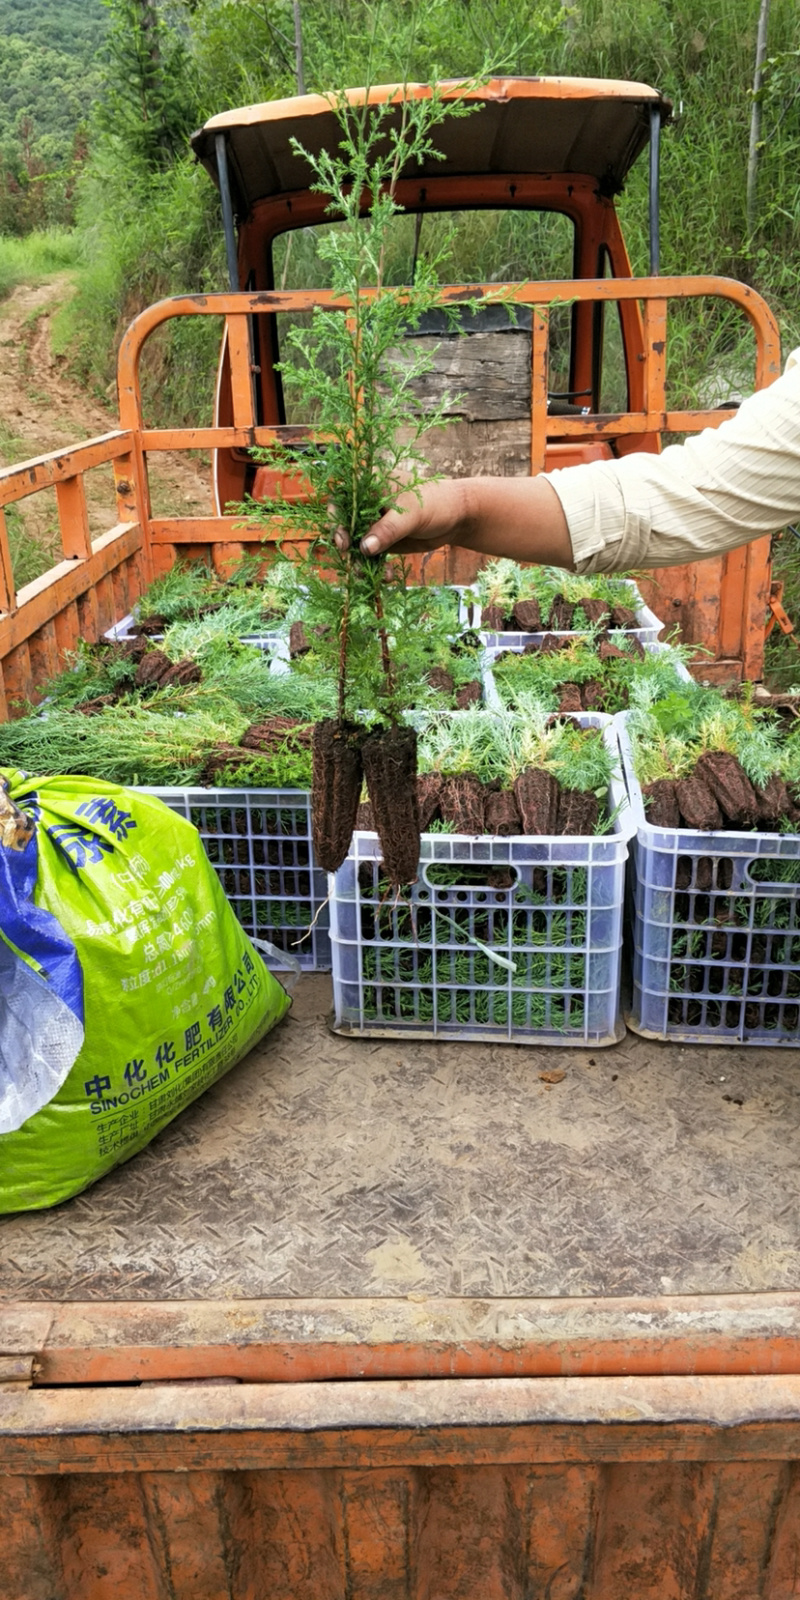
[
  {"x": 241, "y": 372},
  {"x": 73, "y": 517},
  {"x": 539, "y": 384},
  {"x": 655, "y": 365}
]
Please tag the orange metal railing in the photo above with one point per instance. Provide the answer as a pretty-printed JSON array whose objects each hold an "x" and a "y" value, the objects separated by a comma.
[{"x": 98, "y": 580}]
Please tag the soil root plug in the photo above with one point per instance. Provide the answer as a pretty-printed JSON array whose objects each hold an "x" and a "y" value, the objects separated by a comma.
[
  {"x": 337, "y": 778},
  {"x": 607, "y": 651},
  {"x": 152, "y": 668},
  {"x": 578, "y": 812},
  {"x": 773, "y": 802},
  {"x": 440, "y": 679},
  {"x": 299, "y": 642},
  {"x": 623, "y": 617},
  {"x": 502, "y": 816},
  {"x": 592, "y": 695},
  {"x": 390, "y": 768},
  {"x": 730, "y": 786},
  {"x": 536, "y": 794},
  {"x": 596, "y": 612},
  {"x": 661, "y": 804},
  {"x": 527, "y": 616},
  {"x": 570, "y": 699},
  {"x": 698, "y": 807},
  {"x": 561, "y": 614},
  {"x": 429, "y": 788},
  {"x": 470, "y": 694},
  {"x": 493, "y": 619},
  {"x": 462, "y": 803}
]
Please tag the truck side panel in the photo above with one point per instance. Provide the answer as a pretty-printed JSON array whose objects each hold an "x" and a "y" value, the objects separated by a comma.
[{"x": 541, "y": 1489}]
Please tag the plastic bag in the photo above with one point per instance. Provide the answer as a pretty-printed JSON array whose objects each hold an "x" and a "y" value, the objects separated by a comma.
[{"x": 127, "y": 986}]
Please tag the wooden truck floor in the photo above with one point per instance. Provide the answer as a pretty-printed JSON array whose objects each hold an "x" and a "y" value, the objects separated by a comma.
[{"x": 331, "y": 1169}]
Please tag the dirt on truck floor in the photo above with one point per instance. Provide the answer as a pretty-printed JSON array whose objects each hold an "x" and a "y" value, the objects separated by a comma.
[
  {"x": 42, "y": 408},
  {"x": 331, "y": 1168}
]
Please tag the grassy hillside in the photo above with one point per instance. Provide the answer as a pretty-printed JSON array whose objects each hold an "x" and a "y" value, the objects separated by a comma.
[
  {"x": 74, "y": 27},
  {"x": 49, "y": 52}
]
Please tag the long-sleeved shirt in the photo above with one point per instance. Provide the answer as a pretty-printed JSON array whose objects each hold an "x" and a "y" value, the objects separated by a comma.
[{"x": 720, "y": 489}]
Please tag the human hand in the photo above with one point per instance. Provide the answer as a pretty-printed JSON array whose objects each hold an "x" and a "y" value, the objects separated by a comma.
[
  {"x": 435, "y": 514},
  {"x": 516, "y": 517}
]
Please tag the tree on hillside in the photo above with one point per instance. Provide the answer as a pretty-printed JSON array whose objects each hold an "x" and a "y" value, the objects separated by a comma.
[
  {"x": 148, "y": 106},
  {"x": 46, "y": 93}
]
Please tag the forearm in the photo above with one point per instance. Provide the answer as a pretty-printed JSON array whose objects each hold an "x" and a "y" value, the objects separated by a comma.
[
  {"x": 517, "y": 517},
  {"x": 700, "y": 499},
  {"x": 717, "y": 491}
]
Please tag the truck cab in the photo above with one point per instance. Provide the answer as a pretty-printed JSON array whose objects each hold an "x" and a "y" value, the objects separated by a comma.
[{"x": 526, "y": 190}]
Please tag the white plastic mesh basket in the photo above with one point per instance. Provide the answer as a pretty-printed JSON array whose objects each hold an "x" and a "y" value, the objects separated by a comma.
[
  {"x": 648, "y": 625},
  {"x": 715, "y": 922},
  {"x": 512, "y": 940},
  {"x": 259, "y": 843}
]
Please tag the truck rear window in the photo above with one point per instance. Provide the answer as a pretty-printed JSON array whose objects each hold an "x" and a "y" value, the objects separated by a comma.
[
  {"x": 475, "y": 246},
  {"x": 478, "y": 246}
]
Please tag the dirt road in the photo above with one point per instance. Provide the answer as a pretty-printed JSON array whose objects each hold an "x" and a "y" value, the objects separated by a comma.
[{"x": 42, "y": 408}]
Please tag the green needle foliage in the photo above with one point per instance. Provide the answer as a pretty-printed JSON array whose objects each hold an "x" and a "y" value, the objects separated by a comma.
[
  {"x": 185, "y": 592},
  {"x": 181, "y": 592},
  {"x": 622, "y": 681},
  {"x": 502, "y": 582},
  {"x": 237, "y": 618},
  {"x": 350, "y": 375},
  {"x": 92, "y": 671},
  {"x": 668, "y": 734},
  {"x": 141, "y": 746},
  {"x": 421, "y": 633}
]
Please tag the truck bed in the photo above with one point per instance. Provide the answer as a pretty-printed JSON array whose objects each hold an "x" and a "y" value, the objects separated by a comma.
[{"x": 324, "y": 1168}]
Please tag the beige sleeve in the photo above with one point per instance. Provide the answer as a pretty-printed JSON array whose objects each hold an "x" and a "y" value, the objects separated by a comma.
[{"x": 720, "y": 489}]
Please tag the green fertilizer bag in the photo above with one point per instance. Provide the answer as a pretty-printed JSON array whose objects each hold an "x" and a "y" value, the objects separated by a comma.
[{"x": 126, "y": 983}]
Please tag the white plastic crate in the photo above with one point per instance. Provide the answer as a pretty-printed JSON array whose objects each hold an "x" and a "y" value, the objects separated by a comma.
[
  {"x": 715, "y": 921},
  {"x": 648, "y": 626},
  {"x": 128, "y": 629},
  {"x": 502, "y": 940},
  {"x": 259, "y": 843}
]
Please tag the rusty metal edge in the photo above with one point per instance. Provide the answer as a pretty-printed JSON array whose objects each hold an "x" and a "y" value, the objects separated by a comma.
[
  {"x": 296, "y": 1341},
  {"x": 181, "y": 1427}
]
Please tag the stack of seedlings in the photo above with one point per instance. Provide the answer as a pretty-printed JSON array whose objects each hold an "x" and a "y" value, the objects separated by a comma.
[
  {"x": 225, "y": 721},
  {"x": 194, "y": 710},
  {"x": 513, "y": 773},
  {"x": 350, "y": 372},
  {"x": 709, "y": 765},
  {"x": 252, "y": 605},
  {"x": 590, "y": 672},
  {"x": 516, "y": 599}
]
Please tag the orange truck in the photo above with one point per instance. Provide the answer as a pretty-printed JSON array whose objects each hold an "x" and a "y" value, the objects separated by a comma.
[{"x": 373, "y": 1322}]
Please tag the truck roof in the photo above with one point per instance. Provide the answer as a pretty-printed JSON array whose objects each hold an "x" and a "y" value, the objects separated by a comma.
[{"x": 592, "y": 127}]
